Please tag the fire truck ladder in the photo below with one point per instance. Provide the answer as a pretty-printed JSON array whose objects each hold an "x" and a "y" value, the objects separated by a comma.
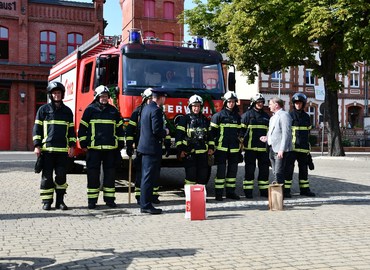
[{"x": 97, "y": 44}]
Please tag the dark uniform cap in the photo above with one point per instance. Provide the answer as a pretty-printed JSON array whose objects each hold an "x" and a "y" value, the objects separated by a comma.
[{"x": 159, "y": 93}]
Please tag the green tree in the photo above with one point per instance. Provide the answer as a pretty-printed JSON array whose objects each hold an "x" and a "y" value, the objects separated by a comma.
[{"x": 276, "y": 34}]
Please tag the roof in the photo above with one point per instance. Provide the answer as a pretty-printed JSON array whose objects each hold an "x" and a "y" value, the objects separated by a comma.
[{"x": 63, "y": 3}]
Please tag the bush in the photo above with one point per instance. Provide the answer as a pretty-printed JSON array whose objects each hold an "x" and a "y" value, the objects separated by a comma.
[{"x": 346, "y": 142}]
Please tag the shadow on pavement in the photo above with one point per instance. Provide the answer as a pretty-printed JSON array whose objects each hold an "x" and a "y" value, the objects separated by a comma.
[{"x": 109, "y": 258}]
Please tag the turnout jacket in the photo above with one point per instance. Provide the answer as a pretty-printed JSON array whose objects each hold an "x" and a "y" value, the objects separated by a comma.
[
  {"x": 192, "y": 134},
  {"x": 53, "y": 130},
  {"x": 301, "y": 126},
  {"x": 101, "y": 128},
  {"x": 255, "y": 123},
  {"x": 225, "y": 130}
]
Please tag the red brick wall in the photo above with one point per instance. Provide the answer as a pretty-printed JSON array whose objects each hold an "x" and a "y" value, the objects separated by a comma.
[{"x": 24, "y": 27}]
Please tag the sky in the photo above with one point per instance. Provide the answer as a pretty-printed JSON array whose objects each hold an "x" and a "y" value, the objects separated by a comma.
[{"x": 112, "y": 13}]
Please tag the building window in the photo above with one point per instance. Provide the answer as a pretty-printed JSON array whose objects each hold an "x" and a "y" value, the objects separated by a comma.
[
  {"x": 41, "y": 97},
  {"x": 312, "y": 113},
  {"x": 211, "y": 83},
  {"x": 149, "y": 7},
  {"x": 149, "y": 37},
  {"x": 4, "y": 43},
  {"x": 355, "y": 76},
  {"x": 276, "y": 75},
  {"x": 169, "y": 38},
  {"x": 74, "y": 40},
  {"x": 48, "y": 47},
  {"x": 310, "y": 79},
  {"x": 169, "y": 10}
]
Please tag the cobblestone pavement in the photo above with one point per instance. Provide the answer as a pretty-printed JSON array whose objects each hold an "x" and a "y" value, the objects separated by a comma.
[{"x": 330, "y": 231}]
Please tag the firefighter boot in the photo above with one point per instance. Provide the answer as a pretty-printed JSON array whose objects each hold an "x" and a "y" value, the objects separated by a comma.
[
  {"x": 59, "y": 204},
  {"x": 307, "y": 192},
  {"x": 46, "y": 205},
  {"x": 248, "y": 193},
  {"x": 219, "y": 192},
  {"x": 287, "y": 193},
  {"x": 91, "y": 204},
  {"x": 264, "y": 193},
  {"x": 230, "y": 194}
]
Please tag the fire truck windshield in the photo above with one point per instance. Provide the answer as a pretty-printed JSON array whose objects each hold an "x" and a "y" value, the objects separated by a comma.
[{"x": 178, "y": 78}]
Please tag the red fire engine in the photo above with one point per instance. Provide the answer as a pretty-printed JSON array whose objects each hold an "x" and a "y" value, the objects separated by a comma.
[{"x": 131, "y": 68}]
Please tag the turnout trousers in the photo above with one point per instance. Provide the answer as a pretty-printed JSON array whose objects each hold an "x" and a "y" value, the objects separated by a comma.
[
  {"x": 262, "y": 159},
  {"x": 227, "y": 168},
  {"x": 302, "y": 159},
  {"x": 94, "y": 159},
  {"x": 196, "y": 169},
  {"x": 53, "y": 162}
]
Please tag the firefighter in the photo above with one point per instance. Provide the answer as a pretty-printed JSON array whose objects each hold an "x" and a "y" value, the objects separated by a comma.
[
  {"x": 301, "y": 126},
  {"x": 255, "y": 122},
  {"x": 192, "y": 142},
  {"x": 132, "y": 139},
  {"x": 54, "y": 138},
  {"x": 101, "y": 136},
  {"x": 225, "y": 130}
]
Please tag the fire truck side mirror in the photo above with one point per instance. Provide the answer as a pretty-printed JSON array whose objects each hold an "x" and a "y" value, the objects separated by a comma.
[{"x": 231, "y": 81}]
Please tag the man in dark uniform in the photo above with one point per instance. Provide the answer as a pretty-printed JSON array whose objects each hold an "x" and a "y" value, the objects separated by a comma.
[
  {"x": 192, "y": 142},
  {"x": 225, "y": 132},
  {"x": 54, "y": 138},
  {"x": 101, "y": 135},
  {"x": 132, "y": 139},
  {"x": 152, "y": 134},
  {"x": 255, "y": 123},
  {"x": 301, "y": 126}
]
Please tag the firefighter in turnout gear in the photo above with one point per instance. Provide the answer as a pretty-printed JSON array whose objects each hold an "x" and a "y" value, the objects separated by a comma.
[
  {"x": 255, "y": 122},
  {"x": 192, "y": 143},
  {"x": 301, "y": 126},
  {"x": 54, "y": 139},
  {"x": 101, "y": 136},
  {"x": 132, "y": 140},
  {"x": 225, "y": 131}
]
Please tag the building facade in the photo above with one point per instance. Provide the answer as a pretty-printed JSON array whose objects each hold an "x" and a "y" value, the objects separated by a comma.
[
  {"x": 35, "y": 34},
  {"x": 156, "y": 19}
]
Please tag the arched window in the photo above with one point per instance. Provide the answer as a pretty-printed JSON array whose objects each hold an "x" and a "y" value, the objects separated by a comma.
[
  {"x": 354, "y": 116},
  {"x": 149, "y": 8},
  {"x": 74, "y": 40},
  {"x": 48, "y": 47},
  {"x": 169, "y": 37},
  {"x": 168, "y": 10},
  {"x": 4, "y": 43}
]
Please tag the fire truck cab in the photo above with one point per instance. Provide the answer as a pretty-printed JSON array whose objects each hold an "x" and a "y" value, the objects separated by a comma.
[{"x": 128, "y": 69}]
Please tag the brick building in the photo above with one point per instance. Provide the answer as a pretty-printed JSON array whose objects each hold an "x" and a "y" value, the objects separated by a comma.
[
  {"x": 157, "y": 19},
  {"x": 35, "y": 34}
]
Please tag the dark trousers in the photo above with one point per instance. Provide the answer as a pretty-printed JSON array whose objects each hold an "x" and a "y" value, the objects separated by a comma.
[
  {"x": 196, "y": 169},
  {"x": 149, "y": 173},
  {"x": 138, "y": 167},
  {"x": 53, "y": 162},
  {"x": 250, "y": 158},
  {"x": 278, "y": 165},
  {"x": 302, "y": 159},
  {"x": 94, "y": 159},
  {"x": 227, "y": 168}
]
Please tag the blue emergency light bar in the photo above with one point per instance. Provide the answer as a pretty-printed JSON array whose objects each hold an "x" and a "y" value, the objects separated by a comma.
[
  {"x": 134, "y": 36},
  {"x": 199, "y": 42}
]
